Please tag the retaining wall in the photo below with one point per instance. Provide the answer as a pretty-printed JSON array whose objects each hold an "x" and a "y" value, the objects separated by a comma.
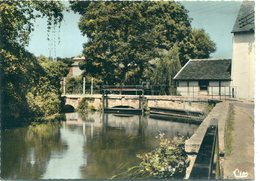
[{"x": 219, "y": 114}]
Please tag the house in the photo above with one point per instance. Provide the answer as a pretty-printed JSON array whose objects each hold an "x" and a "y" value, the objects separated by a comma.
[
  {"x": 205, "y": 77},
  {"x": 74, "y": 69},
  {"x": 243, "y": 57}
]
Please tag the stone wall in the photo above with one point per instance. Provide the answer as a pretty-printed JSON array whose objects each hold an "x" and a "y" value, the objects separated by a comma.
[{"x": 218, "y": 115}]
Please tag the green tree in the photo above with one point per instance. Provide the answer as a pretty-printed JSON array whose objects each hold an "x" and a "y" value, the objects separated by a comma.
[
  {"x": 169, "y": 64},
  {"x": 54, "y": 70},
  {"x": 67, "y": 61},
  {"x": 45, "y": 98},
  {"x": 16, "y": 19},
  {"x": 74, "y": 85},
  {"x": 165, "y": 69},
  {"x": 204, "y": 46},
  {"x": 125, "y": 36},
  {"x": 20, "y": 70}
]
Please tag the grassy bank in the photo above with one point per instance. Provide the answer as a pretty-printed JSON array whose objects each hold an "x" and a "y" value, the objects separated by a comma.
[{"x": 229, "y": 129}]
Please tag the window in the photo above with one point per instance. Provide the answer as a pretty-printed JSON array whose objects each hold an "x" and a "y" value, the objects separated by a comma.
[{"x": 203, "y": 84}]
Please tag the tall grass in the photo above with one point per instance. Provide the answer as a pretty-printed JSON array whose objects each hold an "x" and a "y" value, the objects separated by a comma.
[{"x": 228, "y": 130}]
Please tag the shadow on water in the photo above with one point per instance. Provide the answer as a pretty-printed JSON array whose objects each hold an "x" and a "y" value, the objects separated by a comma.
[
  {"x": 25, "y": 152},
  {"x": 27, "y": 121}
]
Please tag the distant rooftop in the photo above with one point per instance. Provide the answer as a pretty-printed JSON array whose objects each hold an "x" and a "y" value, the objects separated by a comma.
[
  {"x": 205, "y": 69},
  {"x": 77, "y": 60},
  {"x": 245, "y": 21}
]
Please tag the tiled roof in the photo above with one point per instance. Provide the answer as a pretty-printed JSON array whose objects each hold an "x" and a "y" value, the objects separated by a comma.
[
  {"x": 205, "y": 69},
  {"x": 245, "y": 21},
  {"x": 79, "y": 58}
]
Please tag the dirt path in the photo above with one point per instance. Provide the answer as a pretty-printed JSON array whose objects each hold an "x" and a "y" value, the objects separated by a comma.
[{"x": 240, "y": 163}]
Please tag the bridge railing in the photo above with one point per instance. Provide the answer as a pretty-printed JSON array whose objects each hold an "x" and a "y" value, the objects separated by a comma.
[
  {"x": 79, "y": 87},
  {"x": 212, "y": 92},
  {"x": 89, "y": 89}
]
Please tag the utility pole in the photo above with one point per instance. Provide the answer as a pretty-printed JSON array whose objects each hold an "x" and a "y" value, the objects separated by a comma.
[
  {"x": 64, "y": 85},
  {"x": 91, "y": 88},
  {"x": 84, "y": 83},
  {"x": 103, "y": 101}
]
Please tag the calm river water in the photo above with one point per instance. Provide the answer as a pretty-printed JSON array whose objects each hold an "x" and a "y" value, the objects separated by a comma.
[{"x": 84, "y": 147}]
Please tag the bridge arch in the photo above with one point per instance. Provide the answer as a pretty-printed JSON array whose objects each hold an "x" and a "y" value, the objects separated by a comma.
[
  {"x": 73, "y": 101},
  {"x": 69, "y": 108}
]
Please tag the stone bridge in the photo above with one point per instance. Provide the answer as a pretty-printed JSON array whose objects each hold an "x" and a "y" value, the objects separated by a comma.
[{"x": 175, "y": 102}]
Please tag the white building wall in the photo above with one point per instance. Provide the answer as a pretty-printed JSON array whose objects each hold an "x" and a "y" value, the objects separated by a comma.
[
  {"x": 225, "y": 88},
  {"x": 243, "y": 65},
  {"x": 225, "y": 83},
  {"x": 182, "y": 88},
  {"x": 76, "y": 71},
  {"x": 213, "y": 88},
  {"x": 214, "y": 83},
  {"x": 194, "y": 90},
  {"x": 191, "y": 90},
  {"x": 185, "y": 90},
  {"x": 194, "y": 83}
]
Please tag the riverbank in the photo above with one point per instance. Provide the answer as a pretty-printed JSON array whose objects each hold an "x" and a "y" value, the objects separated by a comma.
[{"x": 25, "y": 121}]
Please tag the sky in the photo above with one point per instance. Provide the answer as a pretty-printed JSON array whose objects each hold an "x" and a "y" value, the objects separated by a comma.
[
  {"x": 217, "y": 18},
  {"x": 71, "y": 39}
]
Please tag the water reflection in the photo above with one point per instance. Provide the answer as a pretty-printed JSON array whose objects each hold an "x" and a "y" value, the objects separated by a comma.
[
  {"x": 25, "y": 153},
  {"x": 88, "y": 146},
  {"x": 67, "y": 166},
  {"x": 112, "y": 142}
]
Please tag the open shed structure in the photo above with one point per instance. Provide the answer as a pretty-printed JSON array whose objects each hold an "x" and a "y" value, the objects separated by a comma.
[{"x": 205, "y": 77}]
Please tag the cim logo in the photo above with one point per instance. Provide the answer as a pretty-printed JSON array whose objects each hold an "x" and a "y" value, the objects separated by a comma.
[{"x": 240, "y": 174}]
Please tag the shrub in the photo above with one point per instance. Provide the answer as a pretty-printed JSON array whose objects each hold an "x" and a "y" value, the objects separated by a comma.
[
  {"x": 169, "y": 160},
  {"x": 166, "y": 161},
  {"x": 44, "y": 101},
  {"x": 83, "y": 106},
  {"x": 74, "y": 85},
  {"x": 91, "y": 107}
]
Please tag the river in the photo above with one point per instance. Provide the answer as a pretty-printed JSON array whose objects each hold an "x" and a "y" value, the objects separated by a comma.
[{"x": 92, "y": 146}]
